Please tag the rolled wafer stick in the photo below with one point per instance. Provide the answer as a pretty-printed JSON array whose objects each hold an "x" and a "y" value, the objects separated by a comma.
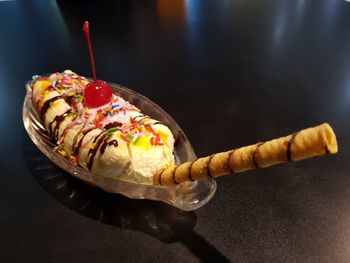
[{"x": 316, "y": 141}]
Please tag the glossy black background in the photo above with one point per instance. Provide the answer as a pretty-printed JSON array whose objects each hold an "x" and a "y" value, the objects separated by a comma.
[{"x": 231, "y": 72}]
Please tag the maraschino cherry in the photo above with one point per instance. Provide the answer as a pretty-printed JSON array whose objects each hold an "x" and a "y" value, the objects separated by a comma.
[{"x": 98, "y": 92}]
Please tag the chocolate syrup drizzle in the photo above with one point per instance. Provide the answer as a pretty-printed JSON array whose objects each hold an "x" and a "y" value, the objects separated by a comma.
[
  {"x": 228, "y": 161},
  {"x": 47, "y": 105},
  {"x": 290, "y": 142},
  {"x": 160, "y": 177},
  {"x": 76, "y": 138},
  {"x": 174, "y": 174},
  {"x": 112, "y": 125},
  {"x": 146, "y": 117},
  {"x": 208, "y": 165},
  {"x": 71, "y": 100},
  {"x": 76, "y": 150},
  {"x": 190, "y": 170},
  {"x": 59, "y": 119},
  {"x": 157, "y": 122},
  {"x": 142, "y": 117},
  {"x": 255, "y": 162},
  {"x": 38, "y": 102},
  {"x": 92, "y": 152},
  {"x": 105, "y": 143}
]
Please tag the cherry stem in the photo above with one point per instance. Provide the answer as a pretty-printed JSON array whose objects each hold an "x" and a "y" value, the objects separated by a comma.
[{"x": 86, "y": 30}]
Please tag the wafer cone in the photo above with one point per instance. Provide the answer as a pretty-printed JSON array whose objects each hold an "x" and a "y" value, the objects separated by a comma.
[{"x": 316, "y": 141}]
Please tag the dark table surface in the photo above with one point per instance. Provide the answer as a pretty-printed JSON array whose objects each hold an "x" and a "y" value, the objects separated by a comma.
[{"x": 231, "y": 73}]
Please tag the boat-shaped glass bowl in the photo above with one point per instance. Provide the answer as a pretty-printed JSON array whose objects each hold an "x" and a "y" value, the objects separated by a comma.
[{"x": 186, "y": 196}]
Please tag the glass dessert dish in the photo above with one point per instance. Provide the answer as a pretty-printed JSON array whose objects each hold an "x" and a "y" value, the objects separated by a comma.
[{"x": 185, "y": 196}]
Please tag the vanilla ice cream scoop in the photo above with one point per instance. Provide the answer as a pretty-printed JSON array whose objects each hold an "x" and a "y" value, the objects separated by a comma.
[{"x": 114, "y": 140}]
